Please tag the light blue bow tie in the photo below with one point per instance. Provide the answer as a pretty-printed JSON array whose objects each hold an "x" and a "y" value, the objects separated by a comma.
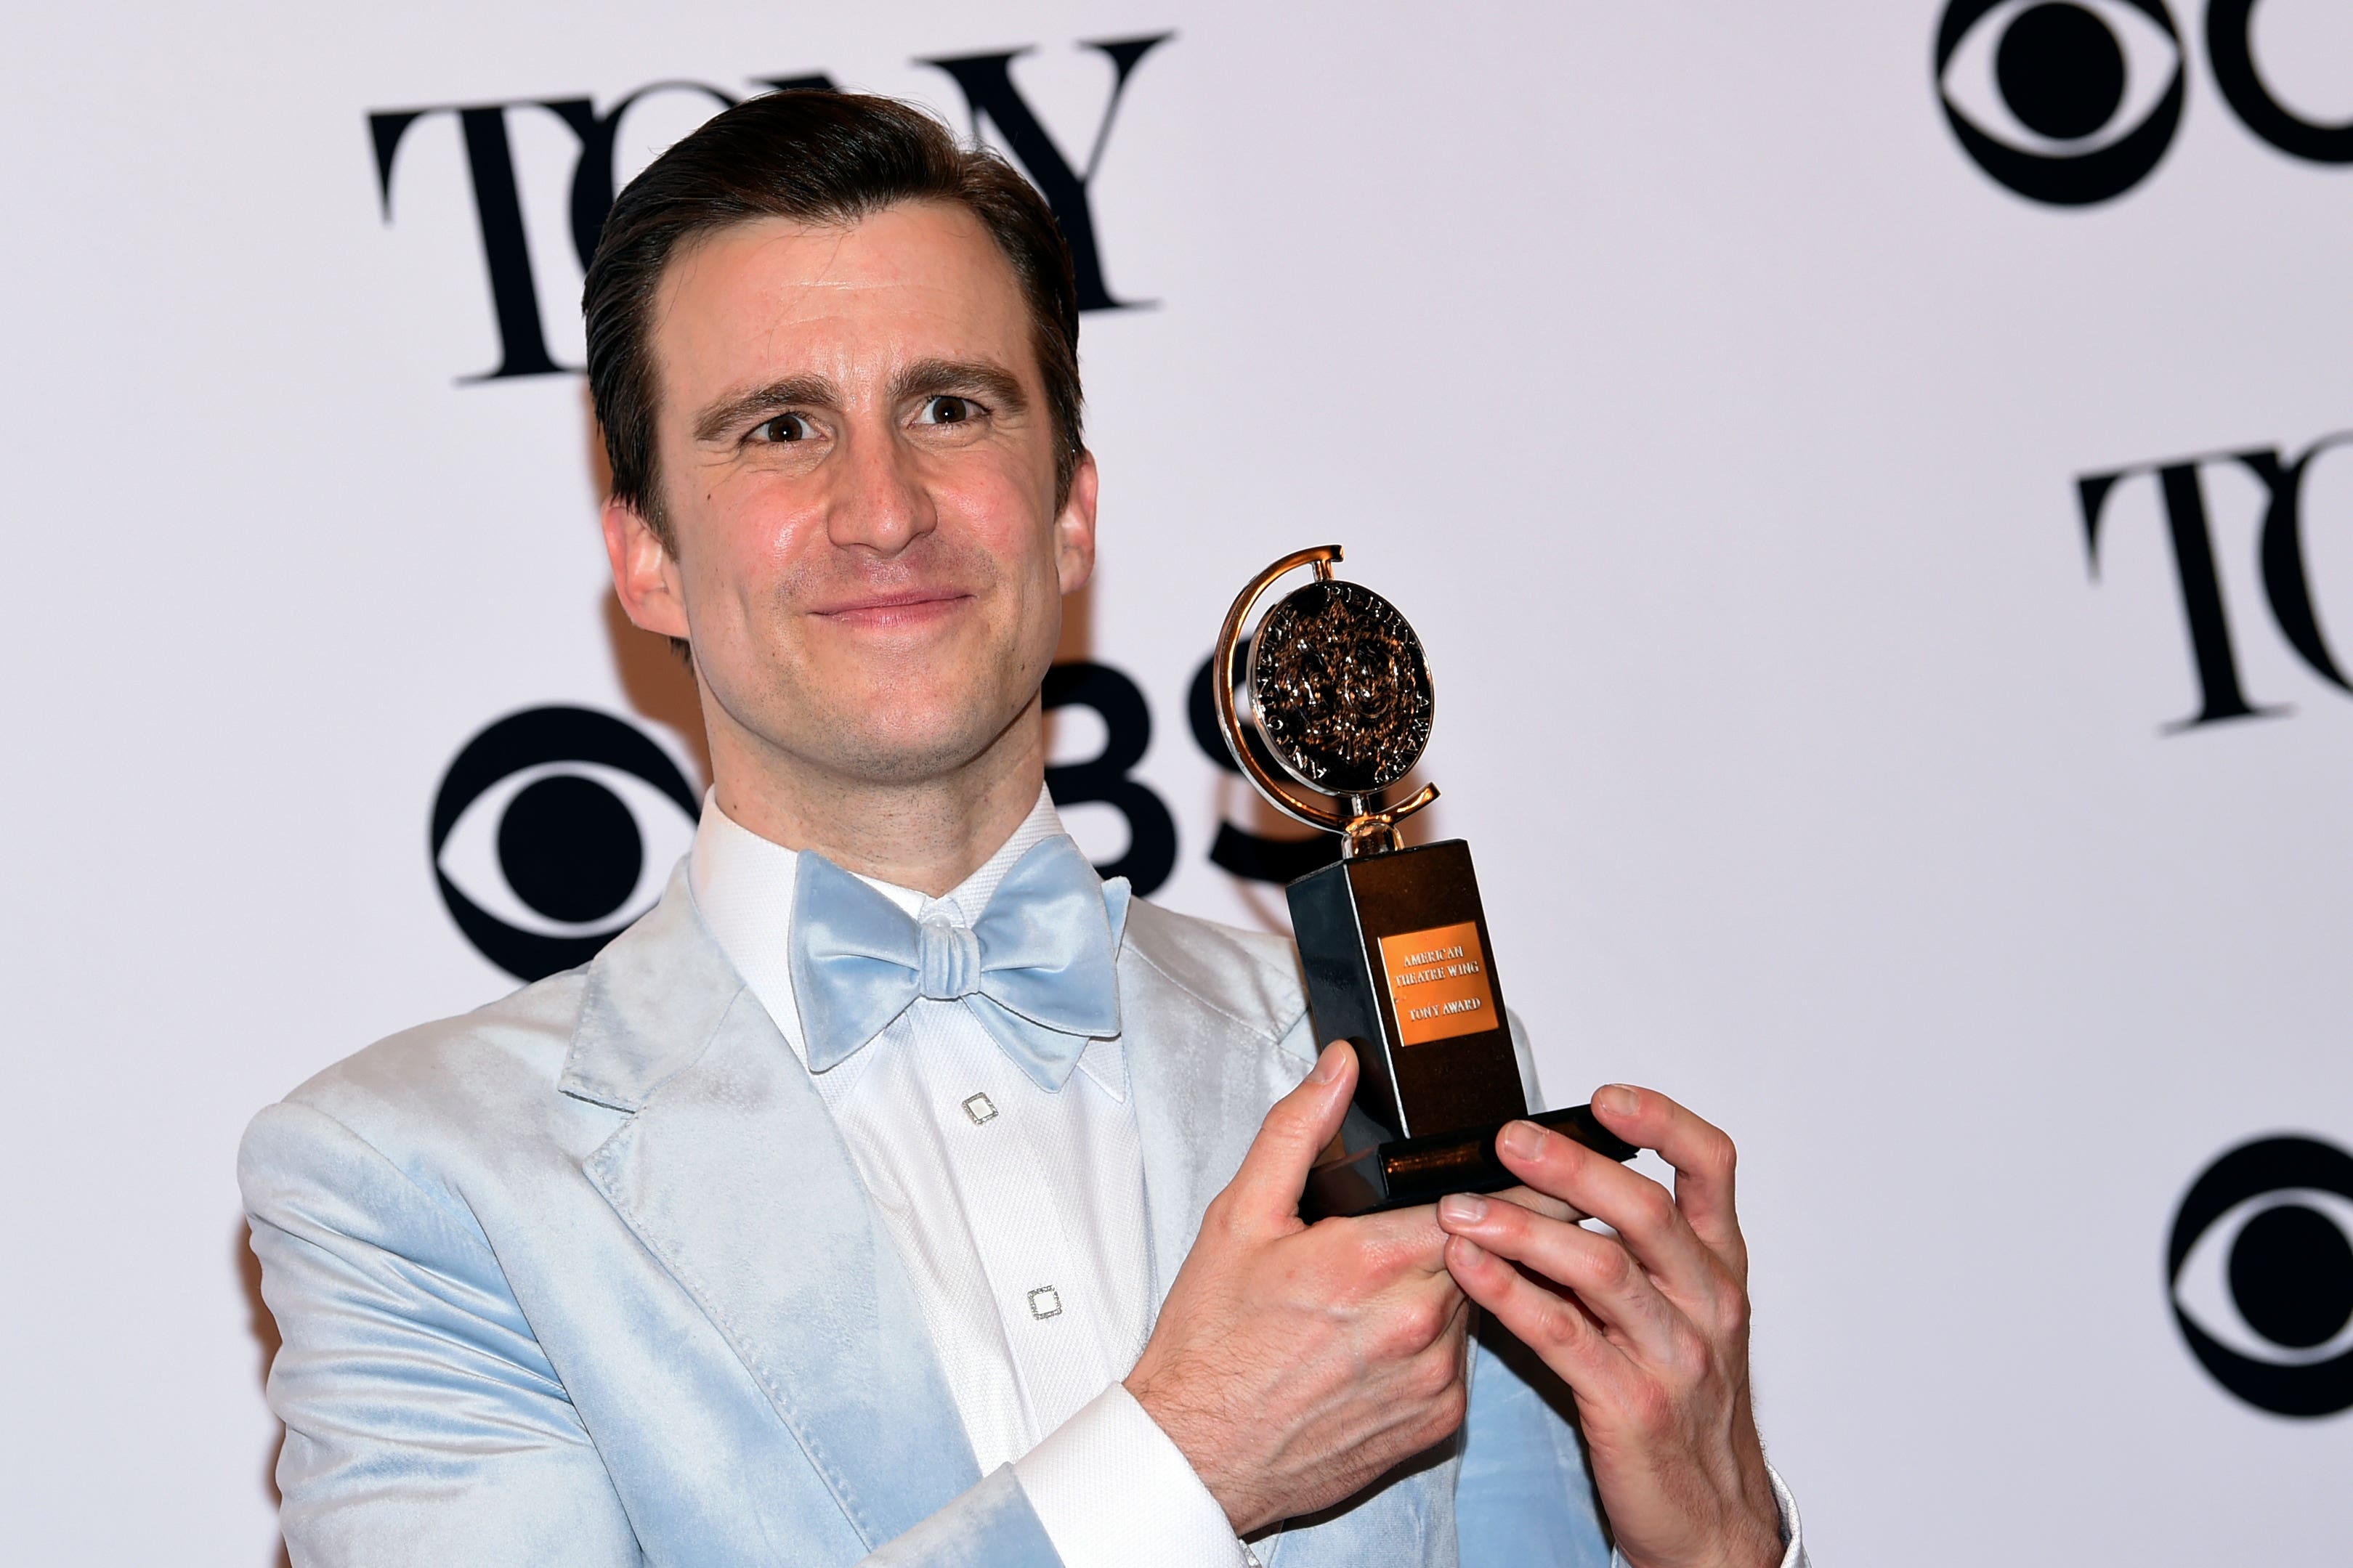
[{"x": 1036, "y": 968}]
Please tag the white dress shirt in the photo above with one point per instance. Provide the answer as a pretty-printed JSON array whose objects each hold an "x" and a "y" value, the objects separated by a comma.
[
  {"x": 1018, "y": 1215},
  {"x": 1018, "y": 1212}
]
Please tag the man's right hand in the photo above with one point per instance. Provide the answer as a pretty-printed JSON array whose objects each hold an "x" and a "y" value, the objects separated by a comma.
[{"x": 1292, "y": 1365}]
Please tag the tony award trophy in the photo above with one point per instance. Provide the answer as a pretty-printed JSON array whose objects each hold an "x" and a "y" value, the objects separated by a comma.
[{"x": 1394, "y": 940}]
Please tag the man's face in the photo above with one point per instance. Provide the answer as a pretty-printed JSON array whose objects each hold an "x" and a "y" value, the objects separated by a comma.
[{"x": 857, "y": 465}]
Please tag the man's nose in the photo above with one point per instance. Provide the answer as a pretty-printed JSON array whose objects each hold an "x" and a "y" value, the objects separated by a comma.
[{"x": 880, "y": 502}]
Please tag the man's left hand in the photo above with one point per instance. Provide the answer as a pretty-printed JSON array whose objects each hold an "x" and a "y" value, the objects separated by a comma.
[{"x": 1649, "y": 1327}]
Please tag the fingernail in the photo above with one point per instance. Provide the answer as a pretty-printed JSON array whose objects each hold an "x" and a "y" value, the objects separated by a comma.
[
  {"x": 1463, "y": 1208},
  {"x": 1327, "y": 1065},
  {"x": 1525, "y": 1139},
  {"x": 1470, "y": 1252},
  {"x": 1618, "y": 1100}
]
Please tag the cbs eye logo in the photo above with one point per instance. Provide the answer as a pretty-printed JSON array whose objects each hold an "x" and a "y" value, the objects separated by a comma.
[
  {"x": 2261, "y": 1267},
  {"x": 2064, "y": 103},
  {"x": 554, "y": 829},
  {"x": 2071, "y": 102}
]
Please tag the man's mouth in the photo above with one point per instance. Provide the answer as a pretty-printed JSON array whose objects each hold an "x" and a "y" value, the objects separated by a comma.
[{"x": 907, "y": 607}]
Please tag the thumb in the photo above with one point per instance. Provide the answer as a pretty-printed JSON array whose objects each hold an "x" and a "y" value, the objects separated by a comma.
[{"x": 1274, "y": 1171}]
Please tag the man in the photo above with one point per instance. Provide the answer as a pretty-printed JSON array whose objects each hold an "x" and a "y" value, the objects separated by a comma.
[{"x": 896, "y": 1190}]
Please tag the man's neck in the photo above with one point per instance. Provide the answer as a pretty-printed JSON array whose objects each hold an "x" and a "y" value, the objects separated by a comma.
[{"x": 928, "y": 834}]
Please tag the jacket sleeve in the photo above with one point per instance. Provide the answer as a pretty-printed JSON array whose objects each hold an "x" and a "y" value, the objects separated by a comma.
[{"x": 424, "y": 1424}]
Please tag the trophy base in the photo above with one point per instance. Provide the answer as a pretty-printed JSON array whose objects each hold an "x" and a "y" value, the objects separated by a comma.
[
  {"x": 1409, "y": 1171},
  {"x": 1395, "y": 951}
]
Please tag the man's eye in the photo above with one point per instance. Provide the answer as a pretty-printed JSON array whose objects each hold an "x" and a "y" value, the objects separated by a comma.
[
  {"x": 948, "y": 410},
  {"x": 783, "y": 428}
]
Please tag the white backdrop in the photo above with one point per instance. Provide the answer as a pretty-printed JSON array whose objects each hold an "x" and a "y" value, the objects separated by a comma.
[{"x": 1716, "y": 417}]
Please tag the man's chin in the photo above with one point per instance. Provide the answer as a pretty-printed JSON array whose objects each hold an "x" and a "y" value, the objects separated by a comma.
[{"x": 905, "y": 749}]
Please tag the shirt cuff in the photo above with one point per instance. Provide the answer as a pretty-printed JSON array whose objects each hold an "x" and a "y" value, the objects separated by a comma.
[
  {"x": 1113, "y": 1491},
  {"x": 1793, "y": 1534},
  {"x": 1792, "y": 1527}
]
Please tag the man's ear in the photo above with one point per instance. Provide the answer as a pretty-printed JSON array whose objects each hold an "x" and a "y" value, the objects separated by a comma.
[
  {"x": 644, "y": 574},
  {"x": 1074, "y": 528}
]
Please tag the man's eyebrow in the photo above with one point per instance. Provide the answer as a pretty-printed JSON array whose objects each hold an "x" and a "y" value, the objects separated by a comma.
[
  {"x": 930, "y": 377},
  {"x": 806, "y": 391}
]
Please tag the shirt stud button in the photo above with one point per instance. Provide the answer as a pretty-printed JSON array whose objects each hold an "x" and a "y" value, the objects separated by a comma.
[
  {"x": 1045, "y": 1302},
  {"x": 980, "y": 1109}
]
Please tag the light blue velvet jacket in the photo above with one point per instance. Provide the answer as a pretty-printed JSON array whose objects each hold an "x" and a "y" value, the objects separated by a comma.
[{"x": 587, "y": 1277}]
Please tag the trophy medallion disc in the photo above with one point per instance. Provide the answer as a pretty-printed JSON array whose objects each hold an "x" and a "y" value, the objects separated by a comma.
[{"x": 1340, "y": 688}]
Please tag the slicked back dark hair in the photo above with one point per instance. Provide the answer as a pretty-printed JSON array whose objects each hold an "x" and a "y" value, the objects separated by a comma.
[{"x": 812, "y": 158}]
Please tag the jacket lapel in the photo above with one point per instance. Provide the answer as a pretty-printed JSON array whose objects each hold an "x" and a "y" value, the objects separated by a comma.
[
  {"x": 1204, "y": 1065},
  {"x": 1213, "y": 1039},
  {"x": 732, "y": 1173}
]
